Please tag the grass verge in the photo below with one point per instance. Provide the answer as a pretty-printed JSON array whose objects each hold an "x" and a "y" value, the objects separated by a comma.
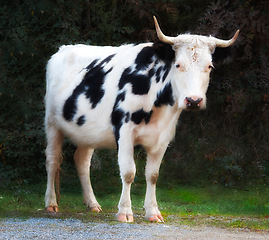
[{"x": 180, "y": 205}]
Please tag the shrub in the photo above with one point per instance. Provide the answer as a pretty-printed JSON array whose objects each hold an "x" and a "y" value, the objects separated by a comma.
[{"x": 228, "y": 143}]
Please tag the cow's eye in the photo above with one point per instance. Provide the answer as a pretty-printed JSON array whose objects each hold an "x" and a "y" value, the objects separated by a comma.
[
  {"x": 210, "y": 66},
  {"x": 177, "y": 65}
]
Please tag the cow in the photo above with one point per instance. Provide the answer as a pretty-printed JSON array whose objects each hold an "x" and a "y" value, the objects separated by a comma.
[{"x": 120, "y": 97}]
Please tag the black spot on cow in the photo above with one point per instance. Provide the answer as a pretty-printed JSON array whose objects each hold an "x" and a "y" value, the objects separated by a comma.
[
  {"x": 166, "y": 69},
  {"x": 144, "y": 58},
  {"x": 91, "y": 65},
  {"x": 91, "y": 86},
  {"x": 164, "y": 52},
  {"x": 140, "y": 115},
  {"x": 120, "y": 98},
  {"x": 152, "y": 71},
  {"x": 93, "y": 82},
  {"x": 165, "y": 96},
  {"x": 127, "y": 117},
  {"x": 118, "y": 115},
  {"x": 70, "y": 106},
  {"x": 107, "y": 59},
  {"x": 140, "y": 82},
  {"x": 81, "y": 120},
  {"x": 158, "y": 74}
]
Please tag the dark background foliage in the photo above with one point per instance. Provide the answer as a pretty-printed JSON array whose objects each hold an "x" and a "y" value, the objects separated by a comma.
[{"x": 228, "y": 143}]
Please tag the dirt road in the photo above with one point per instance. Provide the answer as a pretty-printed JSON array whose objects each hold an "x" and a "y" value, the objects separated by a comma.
[{"x": 46, "y": 228}]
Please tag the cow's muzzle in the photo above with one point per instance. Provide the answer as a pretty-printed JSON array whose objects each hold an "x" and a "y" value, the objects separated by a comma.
[{"x": 193, "y": 103}]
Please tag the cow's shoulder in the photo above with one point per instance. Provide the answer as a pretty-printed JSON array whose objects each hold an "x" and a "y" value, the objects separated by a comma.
[{"x": 164, "y": 51}]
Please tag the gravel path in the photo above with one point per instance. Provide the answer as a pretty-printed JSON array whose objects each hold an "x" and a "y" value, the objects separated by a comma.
[{"x": 46, "y": 228}]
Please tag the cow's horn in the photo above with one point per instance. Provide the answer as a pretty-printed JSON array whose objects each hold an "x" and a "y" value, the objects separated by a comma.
[
  {"x": 225, "y": 43},
  {"x": 161, "y": 36}
]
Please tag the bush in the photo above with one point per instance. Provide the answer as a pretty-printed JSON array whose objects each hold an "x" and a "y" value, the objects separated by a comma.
[{"x": 228, "y": 143}]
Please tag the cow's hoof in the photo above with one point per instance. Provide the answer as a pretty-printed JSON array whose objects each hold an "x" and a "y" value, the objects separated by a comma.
[
  {"x": 51, "y": 209},
  {"x": 156, "y": 218},
  {"x": 121, "y": 217},
  {"x": 95, "y": 209}
]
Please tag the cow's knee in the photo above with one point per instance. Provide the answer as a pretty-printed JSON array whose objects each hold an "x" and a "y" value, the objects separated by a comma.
[
  {"x": 129, "y": 177},
  {"x": 154, "y": 178}
]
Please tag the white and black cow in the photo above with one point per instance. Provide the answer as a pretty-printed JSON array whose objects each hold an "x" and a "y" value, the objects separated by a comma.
[{"x": 108, "y": 97}]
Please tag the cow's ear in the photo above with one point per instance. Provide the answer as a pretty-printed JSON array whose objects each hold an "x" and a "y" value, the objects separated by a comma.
[
  {"x": 164, "y": 51},
  {"x": 211, "y": 47}
]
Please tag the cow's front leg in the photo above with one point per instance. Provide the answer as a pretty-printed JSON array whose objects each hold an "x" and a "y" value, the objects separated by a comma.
[
  {"x": 154, "y": 159},
  {"x": 127, "y": 172},
  {"x": 82, "y": 159}
]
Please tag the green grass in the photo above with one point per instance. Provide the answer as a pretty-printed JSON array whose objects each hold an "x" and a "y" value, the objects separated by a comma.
[
  {"x": 215, "y": 200},
  {"x": 188, "y": 205}
]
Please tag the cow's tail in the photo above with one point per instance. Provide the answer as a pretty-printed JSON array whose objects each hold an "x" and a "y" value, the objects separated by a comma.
[{"x": 57, "y": 180}]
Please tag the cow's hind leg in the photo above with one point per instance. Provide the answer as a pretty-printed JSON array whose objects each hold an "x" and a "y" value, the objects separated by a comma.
[
  {"x": 53, "y": 161},
  {"x": 82, "y": 159},
  {"x": 154, "y": 159}
]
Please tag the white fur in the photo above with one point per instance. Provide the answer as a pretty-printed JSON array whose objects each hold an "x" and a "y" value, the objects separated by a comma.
[{"x": 65, "y": 71}]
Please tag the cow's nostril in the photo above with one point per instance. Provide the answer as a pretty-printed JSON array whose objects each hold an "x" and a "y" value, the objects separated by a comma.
[
  {"x": 193, "y": 103},
  {"x": 188, "y": 104}
]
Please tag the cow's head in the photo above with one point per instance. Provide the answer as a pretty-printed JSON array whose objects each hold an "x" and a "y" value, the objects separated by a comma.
[{"x": 192, "y": 66}]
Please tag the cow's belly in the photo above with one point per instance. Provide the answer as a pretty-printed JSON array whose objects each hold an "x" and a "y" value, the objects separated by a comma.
[
  {"x": 91, "y": 134},
  {"x": 89, "y": 127}
]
